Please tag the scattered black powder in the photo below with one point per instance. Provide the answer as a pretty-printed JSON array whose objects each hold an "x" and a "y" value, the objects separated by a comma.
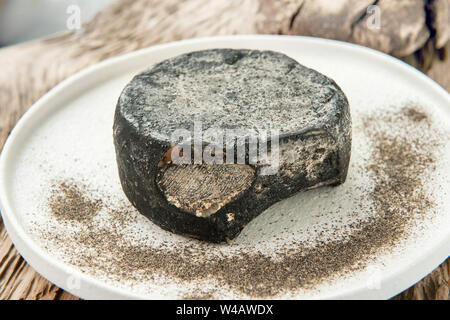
[
  {"x": 415, "y": 114},
  {"x": 69, "y": 202},
  {"x": 200, "y": 296},
  {"x": 399, "y": 163}
]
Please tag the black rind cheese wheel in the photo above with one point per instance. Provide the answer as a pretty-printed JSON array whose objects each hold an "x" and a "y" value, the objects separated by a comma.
[{"x": 226, "y": 89}]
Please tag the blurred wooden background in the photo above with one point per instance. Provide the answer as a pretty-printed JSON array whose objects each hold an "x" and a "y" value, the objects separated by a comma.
[{"x": 416, "y": 31}]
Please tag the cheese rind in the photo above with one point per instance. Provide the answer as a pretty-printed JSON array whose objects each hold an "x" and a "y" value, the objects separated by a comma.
[{"x": 228, "y": 89}]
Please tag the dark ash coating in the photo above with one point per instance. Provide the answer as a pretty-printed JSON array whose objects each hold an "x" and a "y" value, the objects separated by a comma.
[{"x": 225, "y": 88}]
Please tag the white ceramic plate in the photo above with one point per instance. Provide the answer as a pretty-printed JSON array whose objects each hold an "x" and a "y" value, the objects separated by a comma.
[{"x": 68, "y": 134}]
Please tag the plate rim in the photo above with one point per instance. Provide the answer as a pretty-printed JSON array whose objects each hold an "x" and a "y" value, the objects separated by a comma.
[{"x": 59, "y": 271}]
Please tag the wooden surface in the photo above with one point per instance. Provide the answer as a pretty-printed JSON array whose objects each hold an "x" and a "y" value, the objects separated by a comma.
[{"x": 29, "y": 70}]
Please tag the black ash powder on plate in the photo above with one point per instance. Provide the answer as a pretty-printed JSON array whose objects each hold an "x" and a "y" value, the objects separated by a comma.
[{"x": 399, "y": 165}]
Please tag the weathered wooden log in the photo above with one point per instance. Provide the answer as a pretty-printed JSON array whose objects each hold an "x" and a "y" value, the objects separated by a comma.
[
  {"x": 405, "y": 28},
  {"x": 31, "y": 69}
]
